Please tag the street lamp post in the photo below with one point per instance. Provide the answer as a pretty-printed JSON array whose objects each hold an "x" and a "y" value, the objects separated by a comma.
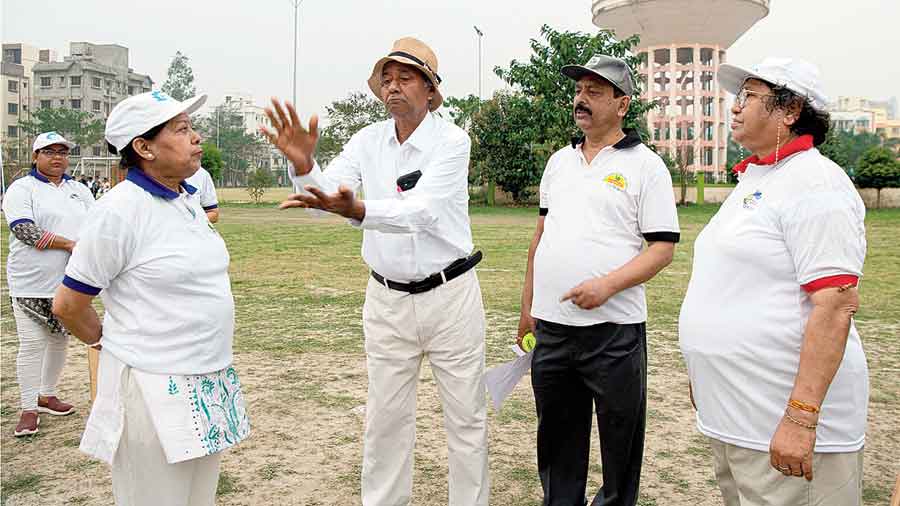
[
  {"x": 296, "y": 4},
  {"x": 479, "y": 34}
]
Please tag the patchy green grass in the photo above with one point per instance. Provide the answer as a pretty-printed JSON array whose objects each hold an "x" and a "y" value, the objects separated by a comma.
[{"x": 20, "y": 484}]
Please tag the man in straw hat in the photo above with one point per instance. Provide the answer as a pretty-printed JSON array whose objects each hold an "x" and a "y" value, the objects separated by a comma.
[
  {"x": 423, "y": 297},
  {"x": 601, "y": 198}
]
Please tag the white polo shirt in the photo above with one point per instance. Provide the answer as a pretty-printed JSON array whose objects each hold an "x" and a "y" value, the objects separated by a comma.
[
  {"x": 202, "y": 181},
  {"x": 745, "y": 311},
  {"x": 163, "y": 272},
  {"x": 408, "y": 235},
  {"x": 598, "y": 215},
  {"x": 59, "y": 209}
]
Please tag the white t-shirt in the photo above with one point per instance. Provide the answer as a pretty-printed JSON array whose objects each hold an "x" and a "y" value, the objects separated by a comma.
[
  {"x": 598, "y": 215},
  {"x": 59, "y": 209},
  {"x": 163, "y": 272},
  {"x": 202, "y": 181},
  {"x": 745, "y": 311}
]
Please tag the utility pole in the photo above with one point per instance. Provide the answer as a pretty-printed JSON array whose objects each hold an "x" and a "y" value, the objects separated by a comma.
[
  {"x": 480, "y": 35},
  {"x": 296, "y": 4}
]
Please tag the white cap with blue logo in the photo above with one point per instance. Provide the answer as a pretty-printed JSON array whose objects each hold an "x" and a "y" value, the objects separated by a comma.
[
  {"x": 138, "y": 114},
  {"x": 49, "y": 139}
]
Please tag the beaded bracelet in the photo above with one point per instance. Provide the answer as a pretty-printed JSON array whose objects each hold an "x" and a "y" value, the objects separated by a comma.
[{"x": 810, "y": 426}]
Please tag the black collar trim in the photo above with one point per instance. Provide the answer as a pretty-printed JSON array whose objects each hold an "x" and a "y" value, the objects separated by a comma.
[{"x": 630, "y": 140}]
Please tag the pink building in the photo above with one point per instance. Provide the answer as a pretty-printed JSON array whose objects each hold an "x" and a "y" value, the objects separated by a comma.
[{"x": 684, "y": 42}]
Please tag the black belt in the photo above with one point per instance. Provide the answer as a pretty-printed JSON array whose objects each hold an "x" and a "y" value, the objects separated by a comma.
[{"x": 454, "y": 270}]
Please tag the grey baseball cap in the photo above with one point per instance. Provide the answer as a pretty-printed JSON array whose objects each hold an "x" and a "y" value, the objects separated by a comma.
[{"x": 612, "y": 69}]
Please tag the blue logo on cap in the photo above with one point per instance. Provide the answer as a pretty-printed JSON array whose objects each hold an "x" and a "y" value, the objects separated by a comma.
[
  {"x": 160, "y": 96},
  {"x": 52, "y": 135}
]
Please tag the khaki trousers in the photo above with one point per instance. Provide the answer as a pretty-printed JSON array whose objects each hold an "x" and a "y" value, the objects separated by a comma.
[
  {"x": 141, "y": 476},
  {"x": 746, "y": 478},
  {"x": 446, "y": 325}
]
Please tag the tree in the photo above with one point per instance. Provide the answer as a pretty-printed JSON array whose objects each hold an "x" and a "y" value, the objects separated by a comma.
[
  {"x": 462, "y": 109},
  {"x": 678, "y": 166},
  {"x": 180, "y": 81},
  {"x": 241, "y": 151},
  {"x": 846, "y": 148},
  {"x": 77, "y": 126},
  {"x": 878, "y": 168},
  {"x": 552, "y": 92},
  {"x": 212, "y": 160},
  {"x": 345, "y": 118},
  {"x": 503, "y": 147},
  {"x": 259, "y": 180},
  {"x": 540, "y": 108}
]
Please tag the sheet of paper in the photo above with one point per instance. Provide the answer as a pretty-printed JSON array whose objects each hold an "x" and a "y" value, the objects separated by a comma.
[{"x": 503, "y": 378}]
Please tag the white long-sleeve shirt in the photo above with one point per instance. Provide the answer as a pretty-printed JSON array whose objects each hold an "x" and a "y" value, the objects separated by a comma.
[{"x": 412, "y": 234}]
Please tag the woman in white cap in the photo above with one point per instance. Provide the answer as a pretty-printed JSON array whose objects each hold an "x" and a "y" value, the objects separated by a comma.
[
  {"x": 168, "y": 399},
  {"x": 45, "y": 211},
  {"x": 778, "y": 373}
]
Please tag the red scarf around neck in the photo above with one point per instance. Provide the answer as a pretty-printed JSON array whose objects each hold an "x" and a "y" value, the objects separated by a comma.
[{"x": 797, "y": 145}]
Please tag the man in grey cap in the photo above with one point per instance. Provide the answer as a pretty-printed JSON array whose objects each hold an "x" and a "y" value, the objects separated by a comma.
[{"x": 600, "y": 198}]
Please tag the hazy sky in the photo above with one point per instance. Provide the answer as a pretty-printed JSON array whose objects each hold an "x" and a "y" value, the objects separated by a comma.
[{"x": 246, "y": 46}]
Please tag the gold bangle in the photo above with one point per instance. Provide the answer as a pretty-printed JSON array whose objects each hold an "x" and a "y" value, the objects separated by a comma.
[
  {"x": 810, "y": 426},
  {"x": 802, "y": 406}
]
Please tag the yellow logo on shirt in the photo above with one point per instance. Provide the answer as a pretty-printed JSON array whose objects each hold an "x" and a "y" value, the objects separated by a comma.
[{"x": 617, "y": 180}]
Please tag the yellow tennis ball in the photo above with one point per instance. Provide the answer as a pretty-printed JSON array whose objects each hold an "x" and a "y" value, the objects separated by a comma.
[{"x": 528, "y": 342}]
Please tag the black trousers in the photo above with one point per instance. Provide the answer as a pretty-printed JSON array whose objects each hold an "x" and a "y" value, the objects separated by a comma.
[{"x": 572, "y": 369}]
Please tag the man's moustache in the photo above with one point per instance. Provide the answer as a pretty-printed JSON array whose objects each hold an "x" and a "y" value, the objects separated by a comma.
[{"x": 582, "y": 108}]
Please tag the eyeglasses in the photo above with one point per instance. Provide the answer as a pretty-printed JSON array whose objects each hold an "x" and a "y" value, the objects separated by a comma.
[
  {"x": 50, "y": 153},
  {"x": 744, "y": 94}
]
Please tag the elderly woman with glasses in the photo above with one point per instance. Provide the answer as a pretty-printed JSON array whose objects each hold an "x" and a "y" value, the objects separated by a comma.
[
  {"x": 776, "y": 365},
  {"x": 45, "y": 210},
  {"x": 168, "y": 398}
]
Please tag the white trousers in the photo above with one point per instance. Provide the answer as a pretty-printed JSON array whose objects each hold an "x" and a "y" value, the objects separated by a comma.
[
  {"x": 41, "y": 358},
  {"x": 746, "y": 478},
  {"x": 447, "y": 325},
  {"x": 140, "y": 474}
]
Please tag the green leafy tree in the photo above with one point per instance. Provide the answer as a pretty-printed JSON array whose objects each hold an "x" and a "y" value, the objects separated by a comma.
[
  {"x": 462, "y": 109},
  {"x": 257, "y": 183},
  {"x": 212, "y": 160},
  {"x": 847, "y": 148},
  {"x": 241, "y": 151},
  {"x": 504, "y": 148},
  {"x": 540, "y": 108},
  {"x": 346, "y": 117},
  {"x": 180, "y": 81},
  {"x": 79, "y": 127},
  {"x": 878, "y": 168},
  {"x": 552, "y": 92}
]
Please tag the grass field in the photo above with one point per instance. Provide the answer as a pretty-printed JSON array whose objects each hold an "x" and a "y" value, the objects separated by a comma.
[{"x": 299, "y": 284}]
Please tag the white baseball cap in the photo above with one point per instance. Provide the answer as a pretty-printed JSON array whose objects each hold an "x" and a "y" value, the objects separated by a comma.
[
  {"x": 49, "y": 139},
  {"x": 136, "y": 115},
  {"x": 795, "y": 74}
]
